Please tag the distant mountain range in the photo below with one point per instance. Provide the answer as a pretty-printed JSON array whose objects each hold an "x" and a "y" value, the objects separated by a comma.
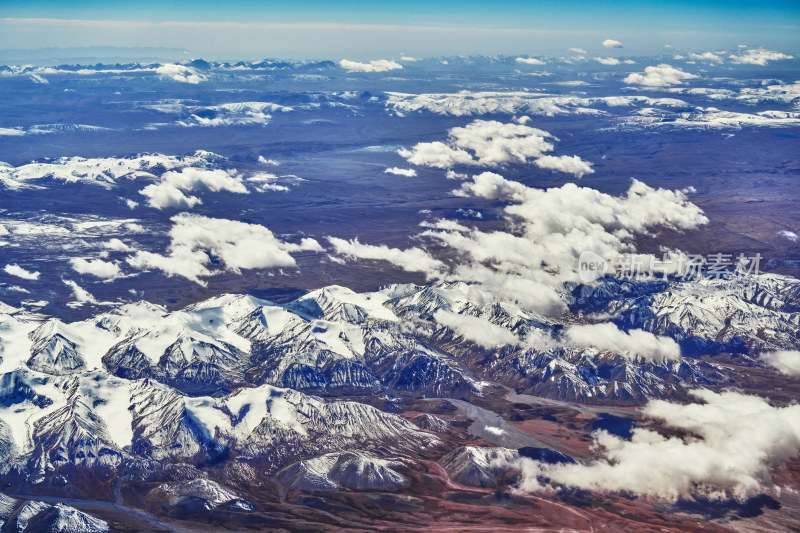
[{"x": 51, "y": 56}]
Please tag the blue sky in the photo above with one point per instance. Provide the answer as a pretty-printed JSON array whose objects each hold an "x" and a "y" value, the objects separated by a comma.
[{"x": 313, "y": 28}]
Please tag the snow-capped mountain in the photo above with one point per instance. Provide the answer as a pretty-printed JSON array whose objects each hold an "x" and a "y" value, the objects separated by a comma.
[
  {"x": 352, "y": 470},
  {"x": 755, "y": 313},
  {"x": 238, "y": 379},
  {"x": 16, "y": 515}
]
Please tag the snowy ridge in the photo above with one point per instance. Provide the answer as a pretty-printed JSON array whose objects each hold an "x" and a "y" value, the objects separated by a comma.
[
  {"x": 236, "y": 375},
  {"x": 482, "y": 103},
  {"x": 97, "y": 419},
  {"x": 760, "y": 312},
  {"x": 100, "y": 171},
  {"x": 39, "y": 516},
  {"x": 477, "y": 466},
  {"x": 351, "y": 470}
]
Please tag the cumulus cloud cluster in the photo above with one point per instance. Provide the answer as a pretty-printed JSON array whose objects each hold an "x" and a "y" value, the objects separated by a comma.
[
  {"x": 378, "y": 65},
  {"x": 659, "y": 76},
  {"x": 81, "y": 295},
  {"x": 758, "y": 56},
  {"x": 611, "y": 43},
  {"x": 634, "y": 344},
  {"x": 412, "y": 259},
  {"x": 169, "y": 191},
  {"x": 18, "y": 271},
  {"x": 490, "y": 143},
  {"x": 550, "y": 229},
  {"x": 529, "y": 61},
  {"x": 607, "y": 60},
  {"x": 706, "y": 56},
  {"x": 730, "y": 441},
  {"x": 529, "y": 261},
  {"x": 407, "y": 172},
  {"x": 564, "y": 163},
  {"x": 476, "y": 329},
  {"x": 784, "y": 361},
  {"x": 95, "y": 267},
  {"x": 194, "y": 240}
]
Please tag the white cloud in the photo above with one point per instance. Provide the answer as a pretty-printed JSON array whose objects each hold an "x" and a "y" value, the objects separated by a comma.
[
  {"x": 493, "y": 187},
  {"x": 117, "y": 245},
  {"x": 730, "y": 442},
  {"x": 758, "y": 56},
  {"x": 407, "y": 172},
  {"x": 18, "y": 271},
  {"x": 237, "y": 245},
  {"x": 169, "y": 192},
  {"x": 785, "y": 361},
  {"x": 16, "y": 288},
  {"x": 267, "y": 181},
  {"x": 481, "y": 143},
  {"x": 576, "y": 50},
  {"x": 12, "y": 132},
  {"x": 495, "y": 143},
  {"x": 607, "y": 60},
  {"x": 181, "y": 261},
  {"x": 551, "y": 228},
  {"x": 491, "y": 144},
  {"x": 189, "y": 179},
  {"x": 529, "y": 61},
  {"x": 476, "y": 329},
  {"x": 529, "y": 261},
  {"x": 634, "y": 344},
  {"x": 568, "y": 164},
  {"x": 264, "y": 161},
  {"x": 436, "y": 154},
  {"x": 412, "y": 259},
  {"x": 95, "y": 267},
  {"x": 409, "y": 59},
  {"x": 81, "y": 295},
  {"x": 180, "y": 73},
  {"x": 162, "y": 196},
  {"x": 611, "y": 43},
  {"x": 378, "y": 65},
  {"x": 661, "y": 76},
  {"x": 706, "y": 56}
]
